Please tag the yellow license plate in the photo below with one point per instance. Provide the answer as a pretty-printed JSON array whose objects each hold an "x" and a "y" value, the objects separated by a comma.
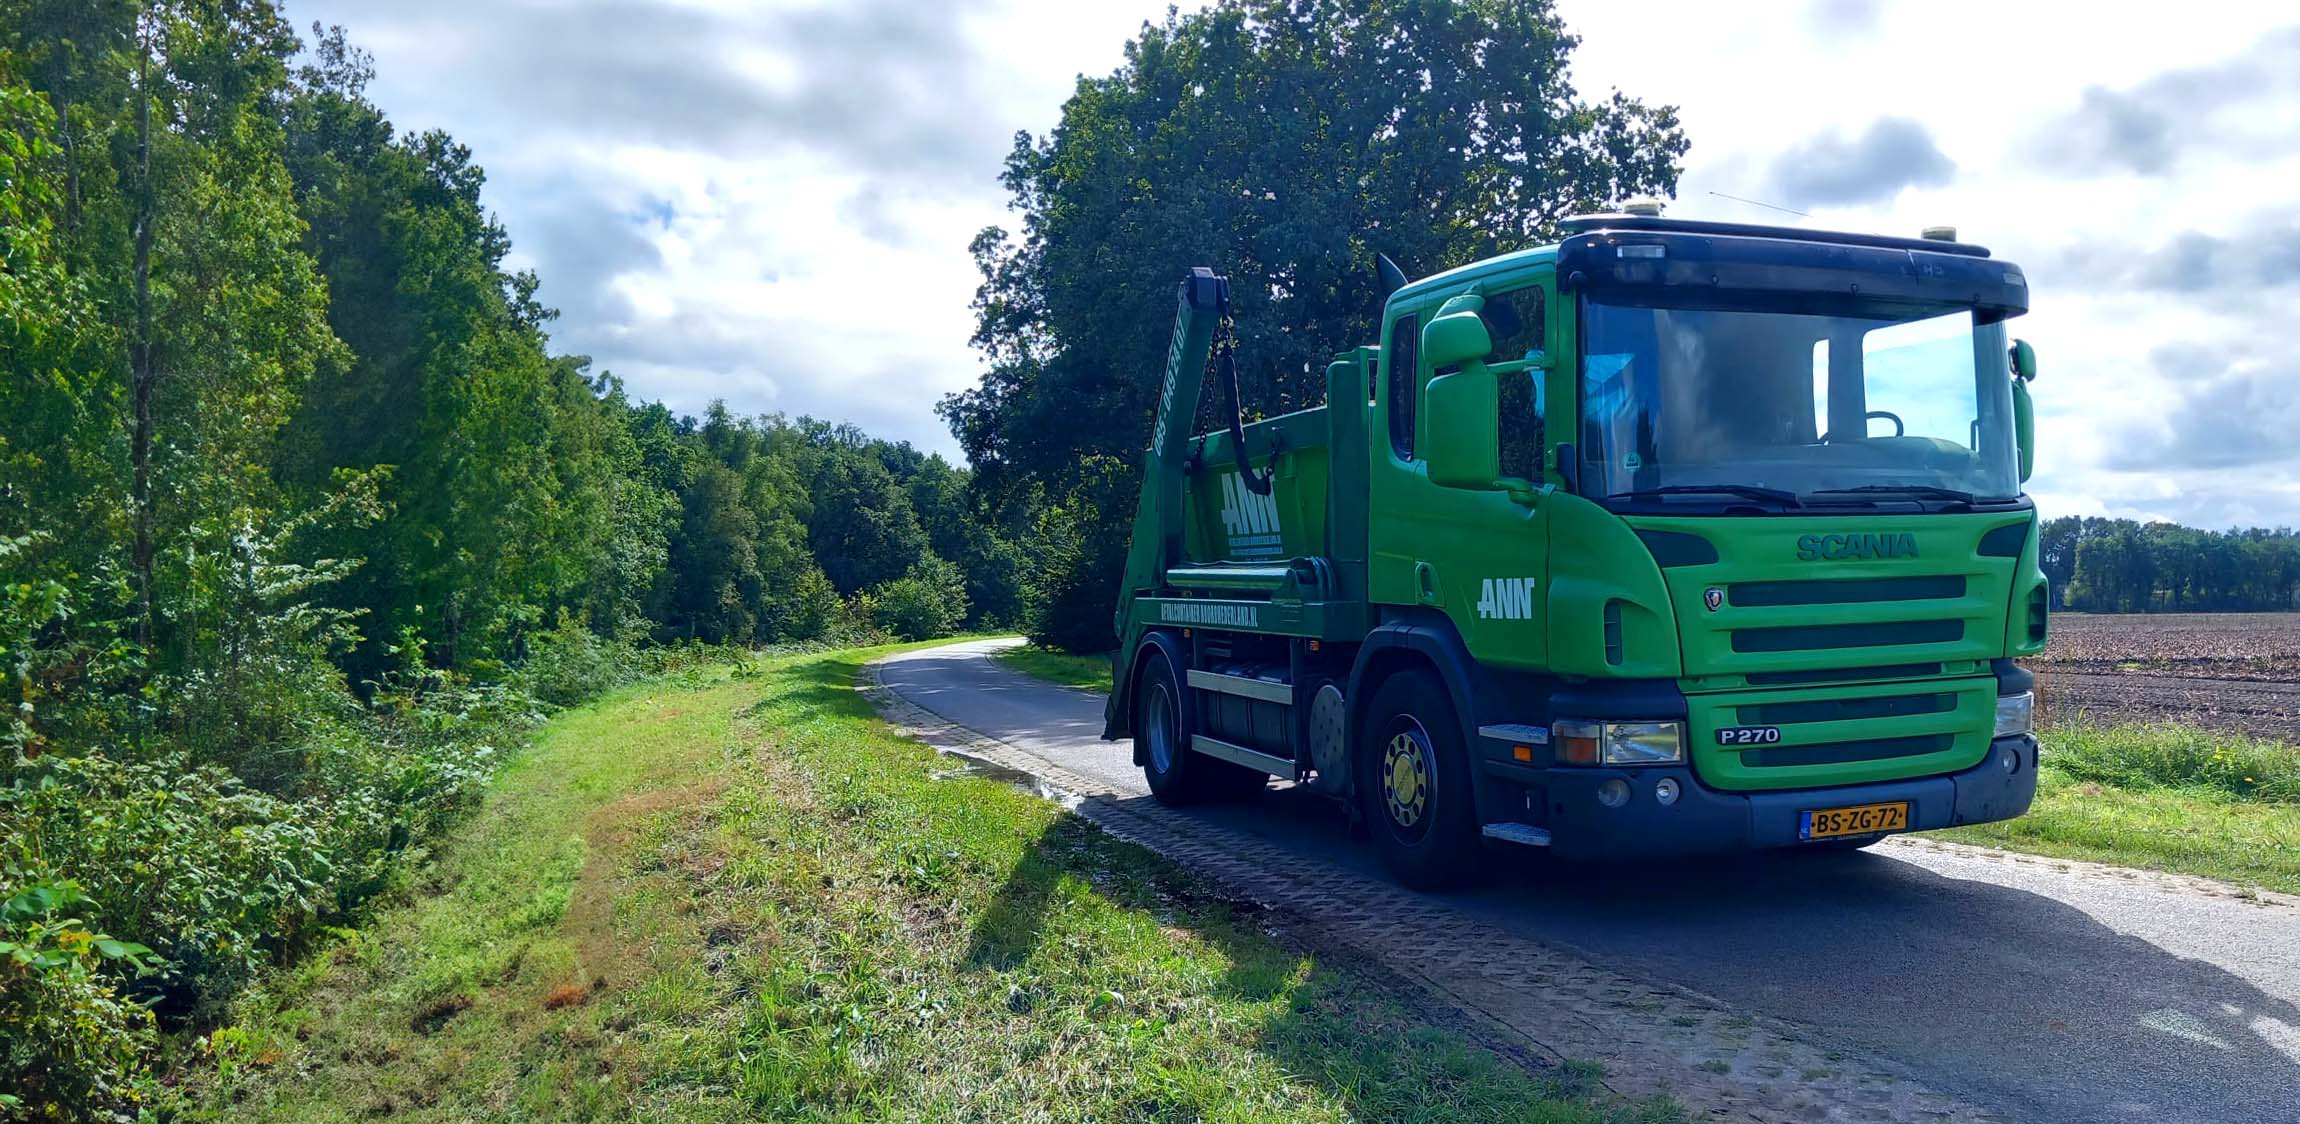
[{"x": 1860, "y": 819}]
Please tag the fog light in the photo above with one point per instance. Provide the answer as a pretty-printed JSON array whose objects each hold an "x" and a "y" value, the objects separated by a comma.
[
  {"x": 1613, "y": 793},
  {"x": 2010, "y": 758},
  {"x": 1665, "y": 790}
]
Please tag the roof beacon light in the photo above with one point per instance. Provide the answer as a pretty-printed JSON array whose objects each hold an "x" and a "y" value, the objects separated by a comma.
[
  {"x": 1647, "y": 206},
  {"x": 1940, "y": 234}
]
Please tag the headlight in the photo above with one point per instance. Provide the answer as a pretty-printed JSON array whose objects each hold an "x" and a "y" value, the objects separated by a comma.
[
  {"x": 1619, "y": 743},
  {"x": 2016, "y": 714}
]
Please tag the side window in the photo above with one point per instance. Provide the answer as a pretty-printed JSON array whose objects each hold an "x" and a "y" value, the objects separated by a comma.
[
  {"x": 1402, "y": 359},
  {"x": 1516, "y": 321}
]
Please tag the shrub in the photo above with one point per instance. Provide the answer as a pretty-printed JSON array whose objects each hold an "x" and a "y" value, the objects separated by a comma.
[
  {"x": 74, "y": 1048},
  {"x": 1081, "y": 559},
  {"x": 187, "y": 859},
  {"x": 811, "y": 609},
  {"x": 929, "y": 601},
  {"x": 571, "y": 664},
  {"x": 1072, "y": 596}
]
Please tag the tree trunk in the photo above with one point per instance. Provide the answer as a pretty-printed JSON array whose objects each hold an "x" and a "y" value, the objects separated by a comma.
[
  {"x": 143, "y": 375},
  {"x": 71, "y": 159}
]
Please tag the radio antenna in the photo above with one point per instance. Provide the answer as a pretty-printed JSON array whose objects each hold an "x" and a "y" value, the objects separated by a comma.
[{"x": 1767, "y": 206}]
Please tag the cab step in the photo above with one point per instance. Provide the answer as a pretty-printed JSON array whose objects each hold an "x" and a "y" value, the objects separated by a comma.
[
  {"x": 1524, "y": 833},
  {"x": 1278, "y": 767}
]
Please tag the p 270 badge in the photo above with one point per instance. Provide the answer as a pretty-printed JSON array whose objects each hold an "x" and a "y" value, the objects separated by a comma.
[{"x": 1748, "y": 735}]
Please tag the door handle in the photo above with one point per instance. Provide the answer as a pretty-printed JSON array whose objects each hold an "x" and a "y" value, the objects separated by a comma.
[{"x": 1425, "y": 583}]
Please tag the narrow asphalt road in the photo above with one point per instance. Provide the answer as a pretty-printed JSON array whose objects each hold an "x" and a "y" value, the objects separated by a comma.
[{"x": 2049, "y": 992}]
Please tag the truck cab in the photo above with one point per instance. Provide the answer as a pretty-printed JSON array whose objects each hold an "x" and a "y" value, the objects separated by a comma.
[{"x": 1670, "y": 537}]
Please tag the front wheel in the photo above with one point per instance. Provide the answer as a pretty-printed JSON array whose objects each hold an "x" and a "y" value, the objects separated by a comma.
[
  {"x": 1176, "y": 774},
  {"x": 1414, "y": 784}
]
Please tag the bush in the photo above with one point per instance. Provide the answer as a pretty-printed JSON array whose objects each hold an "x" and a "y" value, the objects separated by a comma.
[
  {"x": 1073, "y": 595},
  {"x": 74, "y": 1049},
  {"x": 1082, "y": 558},
  {"x": 570, "y": 664},
  {"x": 811, "y": 609},
  {"x": 928, "y": 602},
  {"x": 187, "y": 859}
]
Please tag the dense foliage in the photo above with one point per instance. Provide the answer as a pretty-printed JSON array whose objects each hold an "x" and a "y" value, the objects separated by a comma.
[
  {"x": 302, "y": 522},
  {"x": 2120, "y": 566},
  {"x": 1283, "y": 142}
]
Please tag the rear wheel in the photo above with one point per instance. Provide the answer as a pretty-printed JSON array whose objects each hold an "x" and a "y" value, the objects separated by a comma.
[
  {"x": 1177, "y": 775},
  {"x": 1414, "y": 784}
]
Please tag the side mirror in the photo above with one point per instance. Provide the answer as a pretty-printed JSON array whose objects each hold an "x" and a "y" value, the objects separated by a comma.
[
  {"x": 2023, "y": 361},
  {"x": 1460, "y": 439},
  {"x": 2024, "y": 429},
  {"x": 1460, "y": 418},
  {"x": 1457, "y": 335}
]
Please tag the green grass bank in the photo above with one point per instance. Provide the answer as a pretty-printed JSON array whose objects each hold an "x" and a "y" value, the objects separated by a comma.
[
  {"x": 1090, "y": 672},
  {"x": 748, "y": 899}
]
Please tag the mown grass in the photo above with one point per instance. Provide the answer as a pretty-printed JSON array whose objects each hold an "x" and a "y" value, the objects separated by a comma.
[
  {"x": 2166, "y": 797},
  {"x": 750, "y": 900},
  {"x": 1091, "y": 672}
]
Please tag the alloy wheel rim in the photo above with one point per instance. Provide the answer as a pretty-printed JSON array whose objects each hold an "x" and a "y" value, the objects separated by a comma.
[{"x": 1406, "y": 777}]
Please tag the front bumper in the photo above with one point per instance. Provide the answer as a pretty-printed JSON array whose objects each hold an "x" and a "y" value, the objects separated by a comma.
[{"x": 1708, "y": 820}]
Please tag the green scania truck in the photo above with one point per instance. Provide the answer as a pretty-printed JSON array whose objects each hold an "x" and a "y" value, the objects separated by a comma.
[{"x": 1672, "y": 537}]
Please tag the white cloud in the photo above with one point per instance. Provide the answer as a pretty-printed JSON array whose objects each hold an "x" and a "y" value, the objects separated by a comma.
[{"x": 771, "y": 203}]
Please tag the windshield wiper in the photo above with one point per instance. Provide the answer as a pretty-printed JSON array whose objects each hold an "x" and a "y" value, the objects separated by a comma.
[
  {"x": 1746, "y": 491},
  {"x": 1927, "y": 491}
]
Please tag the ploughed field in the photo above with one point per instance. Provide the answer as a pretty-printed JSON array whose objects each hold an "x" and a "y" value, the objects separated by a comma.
[{"x": 2228, "y": 671}]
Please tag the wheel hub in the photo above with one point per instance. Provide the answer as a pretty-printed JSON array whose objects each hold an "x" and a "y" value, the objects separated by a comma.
[{"x": 1406, "y": 777}]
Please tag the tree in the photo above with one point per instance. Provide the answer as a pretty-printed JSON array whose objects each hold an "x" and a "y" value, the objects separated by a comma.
[{"x": 1283, "y": 142}]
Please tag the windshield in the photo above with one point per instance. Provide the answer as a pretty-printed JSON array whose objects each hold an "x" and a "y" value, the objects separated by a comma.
[{"x": 1795, "y": 405}]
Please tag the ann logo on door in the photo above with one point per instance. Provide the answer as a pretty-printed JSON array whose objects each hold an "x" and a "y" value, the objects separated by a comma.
[
  {"x": 1251, "y": 520},
  {"x": 1508, "y": 599}
]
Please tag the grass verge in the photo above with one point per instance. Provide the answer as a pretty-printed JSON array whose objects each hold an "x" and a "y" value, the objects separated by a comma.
[
  {"x": 749, "y": 899},
  {"x": 2170, "y": 798},
  {"x": 1091, "y": 672}
]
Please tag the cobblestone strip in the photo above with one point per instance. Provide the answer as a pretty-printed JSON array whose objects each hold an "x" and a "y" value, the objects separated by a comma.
[{"x": 1519, "y": 996}]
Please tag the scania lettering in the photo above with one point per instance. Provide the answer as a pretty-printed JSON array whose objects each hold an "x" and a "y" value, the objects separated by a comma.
[
  {"x": 1670, "y": 537},
  {"x": 1812, "y": 548}
]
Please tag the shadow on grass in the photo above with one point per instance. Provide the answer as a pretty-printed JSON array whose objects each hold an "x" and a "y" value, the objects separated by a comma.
[{"x": 1359, "y": 1042}]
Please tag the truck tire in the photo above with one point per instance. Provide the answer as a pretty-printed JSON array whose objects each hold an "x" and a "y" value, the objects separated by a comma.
[
  {"x": 1162, "y": 729},
  {"x": 1414, "y": 784}
]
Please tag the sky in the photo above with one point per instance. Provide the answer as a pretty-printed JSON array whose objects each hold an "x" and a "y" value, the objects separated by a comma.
[{"x": 770, "y": 203}]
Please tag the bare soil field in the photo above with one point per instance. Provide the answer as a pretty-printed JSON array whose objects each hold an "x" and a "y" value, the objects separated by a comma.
[{"x": 2230, "y": 671}]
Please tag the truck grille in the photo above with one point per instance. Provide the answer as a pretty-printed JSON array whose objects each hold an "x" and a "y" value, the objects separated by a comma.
[
  {"x": 1859, "y": 669},
  {"x": 1838, "y": 753},
  {"x": 1855, "y": 591},
  {"x": 1815, "y": 637},
  {"x": 1841, "y": 733},
  {"x": 1842, "y": 674},
  {"x": 1840, "y": 710}
]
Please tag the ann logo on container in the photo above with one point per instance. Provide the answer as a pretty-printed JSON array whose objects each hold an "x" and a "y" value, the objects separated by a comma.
[
  {"x": 1508, "y": 599},
  {"x": 1251, "y": 520}
]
